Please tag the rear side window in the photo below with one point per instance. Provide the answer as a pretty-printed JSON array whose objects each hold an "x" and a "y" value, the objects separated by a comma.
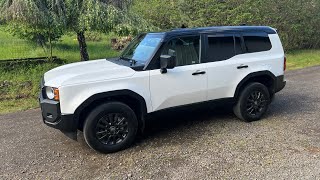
[
  {"x": 220, "y": 48},
  {"x": 257, "y": 42},
  {"x": 223, "y": 47}
]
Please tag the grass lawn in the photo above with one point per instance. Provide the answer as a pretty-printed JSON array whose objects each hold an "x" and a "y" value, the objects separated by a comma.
[
  {"x": 19, "y": 85},
  {"x": 67, "y": 48},
  {"x": 302, "y": 58}
]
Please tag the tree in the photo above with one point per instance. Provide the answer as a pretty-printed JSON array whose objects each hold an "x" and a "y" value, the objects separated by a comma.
[
  {"x": 37, "y": 21},
  {"x": 103, "y": 16},
  {"x": 298, "y": 21},
  {"x": 164, "y": 14},
  {"x": 77, "y": 16}
]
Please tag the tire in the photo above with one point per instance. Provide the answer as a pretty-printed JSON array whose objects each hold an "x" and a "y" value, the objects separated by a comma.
[
  {"x": 252, "y": 103},
  {"x": 110, "y": 127}
]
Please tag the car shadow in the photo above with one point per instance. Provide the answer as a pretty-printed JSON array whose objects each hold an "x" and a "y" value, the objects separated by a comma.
[
  {"x": 190, "y": 123},
  {"x": 174, "y": 120},
  {"x": 292, "y": 104},
  {"x": 169, "y": 121}
]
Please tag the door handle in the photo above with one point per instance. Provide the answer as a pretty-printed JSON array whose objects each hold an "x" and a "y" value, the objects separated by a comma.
[
  {"x": 198, "y": 73},
  {"x": 242, "y": 66}
]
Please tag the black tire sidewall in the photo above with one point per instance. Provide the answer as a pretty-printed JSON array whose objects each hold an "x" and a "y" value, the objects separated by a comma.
[
  {"x": 243, "y": 100},
  {"x": 93, "y": 118}
]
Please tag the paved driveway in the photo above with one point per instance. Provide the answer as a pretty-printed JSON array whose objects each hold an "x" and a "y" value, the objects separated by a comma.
[{"x": 198, "y": 144}]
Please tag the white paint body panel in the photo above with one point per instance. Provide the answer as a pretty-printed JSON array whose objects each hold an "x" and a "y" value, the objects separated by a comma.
[
  {"x": 79, "y": 81},
  {"x": 85, "y": 72},
  {"x": 178, "y": 86},
  {"x": 223, "y": 76}
]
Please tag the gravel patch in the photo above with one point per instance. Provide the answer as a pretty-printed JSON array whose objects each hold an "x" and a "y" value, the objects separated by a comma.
[{"x": 203, "y": 143}]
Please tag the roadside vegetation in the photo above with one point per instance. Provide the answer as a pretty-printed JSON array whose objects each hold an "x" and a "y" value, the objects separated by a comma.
[
  {"x": 297, "y": 21},
  {"x": 66, "y": 48},
  {"x": 303, "y": 58},
  {"x": 46, "y": 28},
  {"x": 19, "y": 85}
]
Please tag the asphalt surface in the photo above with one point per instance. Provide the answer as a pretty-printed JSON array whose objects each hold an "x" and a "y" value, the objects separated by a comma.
[{"x": 205, "y": 143}]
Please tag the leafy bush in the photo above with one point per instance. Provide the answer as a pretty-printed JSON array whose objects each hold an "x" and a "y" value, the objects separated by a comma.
[
  {"x": 298, "y": 21},
  {"x": 93, "y": 36}
]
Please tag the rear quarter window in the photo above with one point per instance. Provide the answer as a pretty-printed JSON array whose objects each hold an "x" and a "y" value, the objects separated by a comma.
[{"x": 257, "y": 42}]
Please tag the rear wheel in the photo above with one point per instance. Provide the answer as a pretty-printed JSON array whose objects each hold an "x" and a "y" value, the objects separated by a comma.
[
  {"x": 110, "y": 127},
  {"x": 253, "y": 102}
]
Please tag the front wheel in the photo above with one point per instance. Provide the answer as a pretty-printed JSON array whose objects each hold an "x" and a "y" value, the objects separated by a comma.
[
  {"x": 253, "y": 102},
  {"x": 110, "y": 127}
]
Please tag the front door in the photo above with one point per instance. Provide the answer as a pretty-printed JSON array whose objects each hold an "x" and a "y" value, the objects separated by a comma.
[{"x": 187, "y": 82}]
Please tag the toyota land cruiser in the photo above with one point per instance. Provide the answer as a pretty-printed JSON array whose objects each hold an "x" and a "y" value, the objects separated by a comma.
[{"x": 108, "y": 99}]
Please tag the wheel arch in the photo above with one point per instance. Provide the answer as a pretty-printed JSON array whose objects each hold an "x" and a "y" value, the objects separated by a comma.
[
  {"x": 135, "y": 101},
  {"x": 264, "y": 77}
]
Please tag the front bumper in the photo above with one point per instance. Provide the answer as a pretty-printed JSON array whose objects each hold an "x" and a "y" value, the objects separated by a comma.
[
  {"x": 52, "y": 117},
  {"x": 280, "y": 83}
]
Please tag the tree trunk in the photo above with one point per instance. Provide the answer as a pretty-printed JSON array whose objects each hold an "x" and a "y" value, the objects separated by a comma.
[
  {"x": 83, "y": 46},
  {"x": 50, "y": 44}
]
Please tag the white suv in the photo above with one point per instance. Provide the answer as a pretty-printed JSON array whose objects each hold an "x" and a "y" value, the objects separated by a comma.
[{"x": 109, "y": 99}]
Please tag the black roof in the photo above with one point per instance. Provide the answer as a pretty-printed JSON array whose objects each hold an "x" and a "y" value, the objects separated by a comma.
[{"x": 220, "y": 29}]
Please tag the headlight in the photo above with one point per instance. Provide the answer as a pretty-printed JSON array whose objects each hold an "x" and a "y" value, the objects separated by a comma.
[
  {"x": 49, "y": 92},
  {"x": 52, "y": 93}
]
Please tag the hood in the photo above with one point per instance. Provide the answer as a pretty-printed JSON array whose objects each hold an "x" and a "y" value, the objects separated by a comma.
[{"x": 83, "y": 72}]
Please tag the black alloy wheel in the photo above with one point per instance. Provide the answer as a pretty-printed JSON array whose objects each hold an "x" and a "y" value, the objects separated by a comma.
[
  {"x": 256, "y": 103},
  {"x": 253, "y": 102},
  {"x": 112, "y": 129}
]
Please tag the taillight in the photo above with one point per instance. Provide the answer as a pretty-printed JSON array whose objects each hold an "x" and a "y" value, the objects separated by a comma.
[{"x": 285, "y": 64}]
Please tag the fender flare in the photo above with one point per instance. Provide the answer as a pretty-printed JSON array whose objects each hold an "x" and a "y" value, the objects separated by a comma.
[
  {"x": 253, "y": 75},
  {"x": 117, "y": 93}
]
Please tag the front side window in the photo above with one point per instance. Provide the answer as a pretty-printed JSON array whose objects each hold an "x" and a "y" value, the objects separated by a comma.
[
  {"x": 142, "y": 48},
  {"x": 185, "y": 49}
]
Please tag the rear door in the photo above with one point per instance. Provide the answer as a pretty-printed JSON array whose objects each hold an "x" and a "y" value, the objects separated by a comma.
[
  {"x": 187, "y": 82},
  {"x": 224, "y": 64}
]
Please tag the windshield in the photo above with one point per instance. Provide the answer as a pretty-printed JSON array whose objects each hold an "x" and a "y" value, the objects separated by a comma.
[{"x": 142, "y": 47}]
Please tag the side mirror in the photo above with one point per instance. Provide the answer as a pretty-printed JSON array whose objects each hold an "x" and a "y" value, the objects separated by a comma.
[{"x": 167, "y": 62}]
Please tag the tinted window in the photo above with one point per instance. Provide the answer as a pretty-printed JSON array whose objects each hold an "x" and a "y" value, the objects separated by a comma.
[
  {"x": 185, "y": 49},
  {"x": 220, "y": 48},
  {"x": 257, "y": 43}
]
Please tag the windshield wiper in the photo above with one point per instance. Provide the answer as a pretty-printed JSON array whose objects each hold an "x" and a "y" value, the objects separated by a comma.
[{"x": 132, "y": 61}]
